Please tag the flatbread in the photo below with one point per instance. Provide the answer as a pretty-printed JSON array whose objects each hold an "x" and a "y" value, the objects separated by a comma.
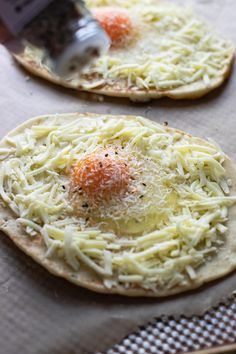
[
  {"x": 220, "y": 265},
  {"x": 120, "y": 86}
]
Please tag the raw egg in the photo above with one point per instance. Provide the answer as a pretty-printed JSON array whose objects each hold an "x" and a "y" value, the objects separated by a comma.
[
  {"x": 115, "y": 22},
  {"x": 101, "y": 175}
]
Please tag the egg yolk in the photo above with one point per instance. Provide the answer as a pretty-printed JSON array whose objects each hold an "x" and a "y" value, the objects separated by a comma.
[
  {"x": 115, "y": 22},
  {"x": 101, "y": 175}
]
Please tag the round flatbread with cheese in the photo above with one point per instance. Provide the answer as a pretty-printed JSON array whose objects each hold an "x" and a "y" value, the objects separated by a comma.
[
  {"x": 119, "y": 204},
  {"x": 157, "y": 49}
]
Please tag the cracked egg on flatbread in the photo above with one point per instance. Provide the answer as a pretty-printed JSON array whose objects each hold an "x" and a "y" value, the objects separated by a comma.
[
  {"x": 119, "y": 204},
  {"x": 157, "y": 49}
]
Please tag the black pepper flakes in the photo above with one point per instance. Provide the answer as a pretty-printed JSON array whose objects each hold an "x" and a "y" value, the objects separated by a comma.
[
  {"x": 144, "y": 184},
  {"x": 141, "y": 196},
  {"x": 100, "y": 164},
  {"x": 106, "y": 155},
  {"x": 85, "y": 205},
  {"x": 63, "y": 187},
  {"x": 166, "y": 124}
]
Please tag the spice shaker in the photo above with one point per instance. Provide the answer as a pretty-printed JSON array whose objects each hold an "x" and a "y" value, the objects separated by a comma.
[{"x": 64, "y": 30}]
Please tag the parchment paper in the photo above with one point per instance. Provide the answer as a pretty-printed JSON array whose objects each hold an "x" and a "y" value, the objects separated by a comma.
[{"x": 42, "y": 314}]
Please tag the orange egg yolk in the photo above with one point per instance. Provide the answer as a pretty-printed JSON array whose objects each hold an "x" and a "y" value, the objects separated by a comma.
[
  {"x": 115, "y": 22},
  {"x": 101, "y": 175}
]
